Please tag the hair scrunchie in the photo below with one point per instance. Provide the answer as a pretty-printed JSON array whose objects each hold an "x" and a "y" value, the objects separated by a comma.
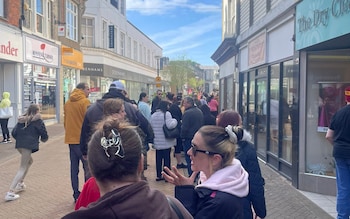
[{"x": 232, "y": 135}]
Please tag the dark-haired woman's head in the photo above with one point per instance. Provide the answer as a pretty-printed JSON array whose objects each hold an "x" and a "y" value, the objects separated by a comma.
[
  {"x": 114, "y": 151},
  {"x": 143, "y": 96},
  {"x": 163, "y": 106},
  {"x": 228, "y": 117},
  {"x": 170, "y": 96}
]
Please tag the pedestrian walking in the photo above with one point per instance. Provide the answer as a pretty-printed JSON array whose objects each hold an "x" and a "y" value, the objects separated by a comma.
[
  {"x": 161, "y": 144},
  {"x": 115, "y": 160},
  {"x": 223, "y": 182},
  {"x": 27, "y": 132},
  {"x": 246, "y": 153},
  {"x": 192, "y": 120},
  {"x": 74, "y": 112},
  {"x": 5, "y": 114},
  {"x": 208, "y": 118},
  {"x": 213, "y": 105},
  {"x": 338, "y": 135}
]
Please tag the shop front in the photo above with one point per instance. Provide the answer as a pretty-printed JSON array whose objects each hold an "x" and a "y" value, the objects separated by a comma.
[
  {"x": 323, "y": 41},
  {"x": 72, "y": 63},
  {"x": 40, "y": 76},
  {"x": 268, "y": 100},
  {"x": 100, "y": 76},
  {"x": 11, "y": 59}
]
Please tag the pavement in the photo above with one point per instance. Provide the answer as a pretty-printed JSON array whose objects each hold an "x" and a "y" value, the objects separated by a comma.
[{"x": 49, "y": 193}]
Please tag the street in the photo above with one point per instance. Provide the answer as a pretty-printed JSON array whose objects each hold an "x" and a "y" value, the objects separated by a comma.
[{"x": 49, "y": 194}]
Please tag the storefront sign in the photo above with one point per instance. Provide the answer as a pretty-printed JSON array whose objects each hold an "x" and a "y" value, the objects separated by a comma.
[
  {"x": 10, "y": 47},
  {"x": 257, "y": 50},
  {"x": 41, "y": 52},
  {"x": 322, "y": 20},
  {"x": 71, "y": 57},
  {"x": 91, "y": 69}
]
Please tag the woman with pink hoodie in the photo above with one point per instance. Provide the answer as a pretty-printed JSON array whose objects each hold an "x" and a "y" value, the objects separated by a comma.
[{"x": 222, "y": 183}]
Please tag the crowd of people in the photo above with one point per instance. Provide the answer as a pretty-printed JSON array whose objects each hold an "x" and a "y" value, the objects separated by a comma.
[{"x": 111, "y": 138}]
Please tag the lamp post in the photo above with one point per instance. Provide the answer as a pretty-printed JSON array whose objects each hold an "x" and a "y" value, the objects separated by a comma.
[
  {"x": 158, "y": 58},
  {"x": 158, "y": 79}
]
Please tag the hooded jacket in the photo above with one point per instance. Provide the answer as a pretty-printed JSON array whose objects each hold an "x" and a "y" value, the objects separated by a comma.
[
  {"x": 219, "y": 196},
  {"x": 74, "y": 112},
  {"x": 158, "y": 119},
  {"x": 28, "y": 131},
  {"x": 5, "y": 102},
  {"x": 135, "y": 201},
  {"x": 94, "y": 114}
]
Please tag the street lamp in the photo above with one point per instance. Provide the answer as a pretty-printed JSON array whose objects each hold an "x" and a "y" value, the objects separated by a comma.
[{"x": 158, "y": 58}]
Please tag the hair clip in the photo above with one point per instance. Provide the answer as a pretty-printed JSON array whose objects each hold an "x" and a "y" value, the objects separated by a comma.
[
  {"x": 116, "y": 142},
  {"x": 231, "y": 131}
]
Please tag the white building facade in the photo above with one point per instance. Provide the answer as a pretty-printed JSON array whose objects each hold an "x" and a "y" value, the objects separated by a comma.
[{"x": 114, "y": 49}]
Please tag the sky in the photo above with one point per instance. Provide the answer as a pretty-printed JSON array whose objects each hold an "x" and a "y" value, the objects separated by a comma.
[{"x": 182, "y": 28}]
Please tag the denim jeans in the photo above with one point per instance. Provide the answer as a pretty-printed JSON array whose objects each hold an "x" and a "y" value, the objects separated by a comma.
[
  {"x": 343, "y": 187},
  {"x": 186, "y": 146},
  {"x": 75, "y": 157}
]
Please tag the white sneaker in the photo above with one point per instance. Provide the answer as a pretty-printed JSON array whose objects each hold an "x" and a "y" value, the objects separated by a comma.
[
  {"x": 10, "y": 196},
  {"x": 20, "y": 187}
]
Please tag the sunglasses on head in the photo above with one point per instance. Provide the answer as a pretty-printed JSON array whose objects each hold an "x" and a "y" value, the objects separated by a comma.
[{"x": 195, "y": 150}]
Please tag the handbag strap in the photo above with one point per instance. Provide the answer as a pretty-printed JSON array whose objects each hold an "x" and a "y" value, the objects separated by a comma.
[{"x": 175, "y": 208}]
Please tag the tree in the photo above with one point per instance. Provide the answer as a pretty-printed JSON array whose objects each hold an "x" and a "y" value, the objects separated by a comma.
[{"x": 182, "y": 72}]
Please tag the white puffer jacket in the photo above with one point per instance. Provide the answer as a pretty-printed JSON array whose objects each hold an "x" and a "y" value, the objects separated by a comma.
[{"x": 157, "y": 122}]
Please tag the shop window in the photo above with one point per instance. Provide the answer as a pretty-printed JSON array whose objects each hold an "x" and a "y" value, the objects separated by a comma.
[
  {"x": 274, "y": 109},
  {"x": 327, "y": 77}
]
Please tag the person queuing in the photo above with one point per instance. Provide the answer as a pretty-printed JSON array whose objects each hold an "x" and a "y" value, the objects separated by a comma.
[
  {"x": 246, "y": 153},
  {"x": 338, "y": 135},
  {"x": 161, "y": 144},
  {"x": 74, "y": 112},
  {"x": 192, "y": 120},
  {"x": 116, "y": 161},
  {"x": 223, "y": 182},
  {"x": 27, "y": 132},
  {"x": 145, "y": 109},
  {"x": 4, "y": 119},
  {"x": 94, "y": 114},
  {"x": 90, "y": 193},
  {"x": 176, "y": 113},
  {"x": 156, "y": 100}
]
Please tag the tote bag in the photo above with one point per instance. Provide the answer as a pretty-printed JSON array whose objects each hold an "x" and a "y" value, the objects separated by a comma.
[{"x": 6, "y": 112}]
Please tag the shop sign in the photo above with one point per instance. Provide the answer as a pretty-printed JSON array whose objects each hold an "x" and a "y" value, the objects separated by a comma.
[
  {"x": 257, "y": 50},
  {"x": 71, "y": 57},
  {"x": 10, "y": 47},
  {"x": 92, "y": 69},
  {"x": 319, "y": 21},
  {"x": 41, "y": 52}
]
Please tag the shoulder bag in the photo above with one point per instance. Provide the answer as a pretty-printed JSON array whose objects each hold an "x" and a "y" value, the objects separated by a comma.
[
  {"x": 6, "y": 112},
  {"x": 170, "y": 133}
]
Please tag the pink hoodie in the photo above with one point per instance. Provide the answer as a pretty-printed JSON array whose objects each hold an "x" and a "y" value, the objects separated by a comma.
[{"x": 232, "y": 179}]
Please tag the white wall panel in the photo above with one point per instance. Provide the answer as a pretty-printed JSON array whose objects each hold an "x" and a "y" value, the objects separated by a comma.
[{"x": 279, "y": 42}]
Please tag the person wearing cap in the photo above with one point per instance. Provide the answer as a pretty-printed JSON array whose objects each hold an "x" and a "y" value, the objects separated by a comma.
[
  {"x": 95, "y": 113},
  {"x": 338, "y": 135}
]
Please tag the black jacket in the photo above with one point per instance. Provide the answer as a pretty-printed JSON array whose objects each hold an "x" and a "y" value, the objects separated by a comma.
[
  {"x": 27, "y": 134},
  {"x": 192, "y": 120},
  {"x": 207, "y": 203},
  {"x": 247, "y": 155},
  {"x": 94, "y": 114}
]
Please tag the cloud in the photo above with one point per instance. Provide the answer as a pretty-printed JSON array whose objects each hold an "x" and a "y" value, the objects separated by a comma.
[{"x": 158, "y": 7}]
